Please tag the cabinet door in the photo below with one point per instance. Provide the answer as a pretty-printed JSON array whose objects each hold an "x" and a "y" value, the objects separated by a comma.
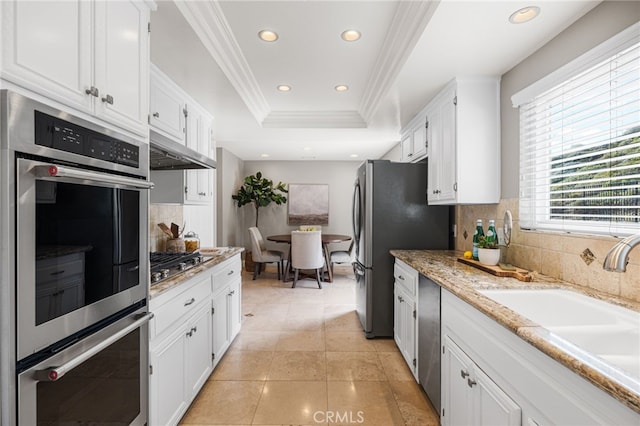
[
  {"x": 435, "y": 155},
  {"x": 398, "y": 318},
  {"x": 235, "y": 308},
  {"x": 419, "y": 142},
  {"x": 166, "y": 109},
  {"x": 198, "y": 350},
  {"x": 220, "y": 325},
  {"x": 122, "y": 63},
  {"x": 47, "y": 48},
  {"x": 493, "y": 406},
  {"x": 448, "y": 165},
  {"x": 456, "y": 395},
  {"x": 406, "y": 148},
  {"x": 194, "y": 127},
  {"x": 167, "y": 381}
]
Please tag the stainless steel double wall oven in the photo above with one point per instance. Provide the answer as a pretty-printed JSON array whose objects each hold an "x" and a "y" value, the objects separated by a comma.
[{"x": 79, "y": 197}]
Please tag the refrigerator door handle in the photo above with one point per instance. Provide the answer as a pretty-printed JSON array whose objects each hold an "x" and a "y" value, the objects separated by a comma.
[{"x": 355, "y": 214}]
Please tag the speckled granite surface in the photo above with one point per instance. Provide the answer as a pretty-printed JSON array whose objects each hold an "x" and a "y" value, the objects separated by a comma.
[
  {"x": 157, "y": 289},
  {"x": 463, "y": 281}
]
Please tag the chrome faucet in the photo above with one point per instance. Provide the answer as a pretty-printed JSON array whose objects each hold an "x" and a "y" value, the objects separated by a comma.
[{"x": 618, "y": 256}]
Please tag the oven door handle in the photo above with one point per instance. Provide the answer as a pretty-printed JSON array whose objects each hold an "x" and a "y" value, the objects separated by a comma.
[
  {"x": 55, "y": 373},
  {"x": 52, "y": 170}
]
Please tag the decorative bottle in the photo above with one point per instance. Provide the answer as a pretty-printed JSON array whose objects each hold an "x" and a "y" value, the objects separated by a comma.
[
  {"x": 476, "y": 235},
  {"x": 492, "y": 235}
]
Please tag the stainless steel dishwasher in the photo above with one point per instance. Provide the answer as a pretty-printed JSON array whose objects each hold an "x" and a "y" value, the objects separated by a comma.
[{"x": 429, "y": 339}]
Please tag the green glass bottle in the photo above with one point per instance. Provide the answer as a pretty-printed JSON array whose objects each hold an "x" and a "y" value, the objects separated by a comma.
[
  {"x": 476, "y": 234},
  {"x": 492, "y": 235}
]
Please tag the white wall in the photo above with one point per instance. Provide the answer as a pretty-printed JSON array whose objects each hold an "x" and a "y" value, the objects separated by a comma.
[
  {"x": 230, "y": 223},
  {"x": 339, "y": 175}
]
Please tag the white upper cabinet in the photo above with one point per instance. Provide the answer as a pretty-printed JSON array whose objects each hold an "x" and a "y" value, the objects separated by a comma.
[
  {"x": 166, "y": 107},
  {"x": 413, "y": 144},
  {"x": 91, "y": 56},
  {"x": 464, "y": 143}
]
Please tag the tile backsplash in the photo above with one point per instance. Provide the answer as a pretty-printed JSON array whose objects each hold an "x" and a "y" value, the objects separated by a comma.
[
  {"x": 555, "y": 254},
  {"x": 159, "y": 213}
]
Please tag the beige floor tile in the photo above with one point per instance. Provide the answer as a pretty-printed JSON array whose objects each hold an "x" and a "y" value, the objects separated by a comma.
[
  {"x": 298, "y": 365},
  {"x": 347, "y": 321},
  {"x": 316, "y": 308},
  {"x": 249, "y": 340},
  {"x": 301, "y": 341},
  {"x": 395, "y": 366},
  {"x": 384, "y": 344},
  {"x": 228, "y": 402},
  {"x": 348, "y": 341},
  {"x": 264, "y": 322},
  {"x": 243, "y": 365},
  {"x": 291, "y": 402},
  {"x": 414, "y": 404},
  {"x": 354, "y": 366},
  {"x": 365, "y": 403}
]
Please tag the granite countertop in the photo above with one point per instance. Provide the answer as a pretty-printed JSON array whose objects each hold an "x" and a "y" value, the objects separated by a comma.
[
  {"x": 224, "y": 254},
  {"x": 462, "y": 280}
]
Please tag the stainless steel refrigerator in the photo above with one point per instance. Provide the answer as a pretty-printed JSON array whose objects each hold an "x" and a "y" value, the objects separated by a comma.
[{"x": 390, "y": 211}]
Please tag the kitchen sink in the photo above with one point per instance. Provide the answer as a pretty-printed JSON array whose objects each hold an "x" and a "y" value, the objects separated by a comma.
[{"x": 610, "y": 332}]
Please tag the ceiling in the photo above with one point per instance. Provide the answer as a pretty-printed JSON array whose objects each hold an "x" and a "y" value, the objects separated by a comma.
[{"x": 407, "y": 52}]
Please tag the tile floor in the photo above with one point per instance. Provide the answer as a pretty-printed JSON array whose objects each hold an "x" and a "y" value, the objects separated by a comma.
[{"x": 301, "y": 358}]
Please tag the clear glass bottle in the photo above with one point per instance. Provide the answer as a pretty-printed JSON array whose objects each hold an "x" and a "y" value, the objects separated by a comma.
[
  {"x": 476, "y": 234},
  {"x": 492, "y": 235},
  {"x": 191, "y": 242}
]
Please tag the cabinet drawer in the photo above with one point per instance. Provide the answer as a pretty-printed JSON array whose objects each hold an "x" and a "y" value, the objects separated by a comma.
[
  {"x": 181, "y": 304},
  {"x": 226, "y": 272},
  {"x": 59, "y": 268},
  {"x": 406, "y": 277}
]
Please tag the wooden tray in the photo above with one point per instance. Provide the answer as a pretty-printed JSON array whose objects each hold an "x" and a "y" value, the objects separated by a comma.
[{"x": 518, "y": 273}]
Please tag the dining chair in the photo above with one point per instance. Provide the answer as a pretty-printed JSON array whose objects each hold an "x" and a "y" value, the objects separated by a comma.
[
  {"x": 342, "y": 256},
  {"x": 261, "y": 255},
  {"x": 306, "y": 253}
]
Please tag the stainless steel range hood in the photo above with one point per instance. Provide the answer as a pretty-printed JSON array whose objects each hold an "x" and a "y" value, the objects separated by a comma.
[{"x": 165, "y": 154}]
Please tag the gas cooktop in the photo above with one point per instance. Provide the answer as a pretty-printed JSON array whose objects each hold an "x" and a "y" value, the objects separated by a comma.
[{"x": 168, "y": 265}]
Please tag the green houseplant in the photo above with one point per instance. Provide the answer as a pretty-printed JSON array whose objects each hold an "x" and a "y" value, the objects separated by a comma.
[{"x": 261, "y": 192}]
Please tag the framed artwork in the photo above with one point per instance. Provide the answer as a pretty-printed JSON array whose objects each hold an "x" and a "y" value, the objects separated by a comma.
[{"x": 308, "y": 204}]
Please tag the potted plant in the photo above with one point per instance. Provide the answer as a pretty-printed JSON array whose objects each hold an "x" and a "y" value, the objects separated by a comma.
[
  {"x": 488, "y": 251},
  {"x": 260, "y": 192}
]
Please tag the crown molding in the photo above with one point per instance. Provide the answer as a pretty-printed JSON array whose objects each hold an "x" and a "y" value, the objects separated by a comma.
[
  {"x": 210, "y": 25},
  {"x": 314, "y": 119},
  {"x": 407, "y": 26}
]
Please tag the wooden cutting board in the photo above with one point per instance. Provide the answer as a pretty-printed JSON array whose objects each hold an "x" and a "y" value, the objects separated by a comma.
[{"x": 518, "y": 273}]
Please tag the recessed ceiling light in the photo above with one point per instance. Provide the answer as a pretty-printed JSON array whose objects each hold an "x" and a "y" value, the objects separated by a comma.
[
  {"x": 354, "y": 156},
  {"x": 524, "y": 15},
  {"x": 268, "y": 35},
  {"x": 284, "y": 88},
  {"x": 341, "y": 88},
  {"x": 264, "y": 155},
  {"x": 350, "y": 35},
  {"x": 307, "y": 148}
]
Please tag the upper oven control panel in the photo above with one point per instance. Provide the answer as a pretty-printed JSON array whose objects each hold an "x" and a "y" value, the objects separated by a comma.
[{"x": 59, "y": 134}]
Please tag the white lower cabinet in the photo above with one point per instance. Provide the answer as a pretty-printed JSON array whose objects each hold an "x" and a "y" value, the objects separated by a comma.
[
  {"x": 491, "y": 376},
  {"x": 226, "y": 304},
  {"x": 470, "y": 397},
  {"x": 404, "y": 313}
]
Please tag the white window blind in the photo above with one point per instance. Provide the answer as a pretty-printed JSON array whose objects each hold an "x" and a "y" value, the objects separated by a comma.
[{"x": 580, "y": 149}]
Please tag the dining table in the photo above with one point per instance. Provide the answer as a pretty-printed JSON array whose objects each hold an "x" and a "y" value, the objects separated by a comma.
[{"x": 326, "y": 240}]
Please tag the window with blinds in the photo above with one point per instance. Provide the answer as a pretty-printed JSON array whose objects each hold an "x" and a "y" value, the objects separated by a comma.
[{"x": 580, "y": 145}]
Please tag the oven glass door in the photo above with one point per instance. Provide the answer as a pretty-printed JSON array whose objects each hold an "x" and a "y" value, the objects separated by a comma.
[
  {"x": 80, "y": 251},
  {"x": 101, "y": 380}
]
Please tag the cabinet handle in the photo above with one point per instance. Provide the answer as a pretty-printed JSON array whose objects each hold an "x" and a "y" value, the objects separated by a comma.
[
  {"x": 400, "y": 299},
  {"x": 189, "y": 302},
  {"x": 156, "y": 114},
  {"x": 230, "y": 272},
  {"x": 108, "y": 99},
  {"x": 93, "y": 91},
  {"x": 194, "y": 329},
  {"x": 58, "y": 272},
  {"x": 189, "y": 333},
  {"x": 471, "y": 382},
  {"x": 455, "y": 186},
  {"x": 464, "y": 374},
  {"x": 202, "y": 193},
  {"x": 400, "y": 277}
]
